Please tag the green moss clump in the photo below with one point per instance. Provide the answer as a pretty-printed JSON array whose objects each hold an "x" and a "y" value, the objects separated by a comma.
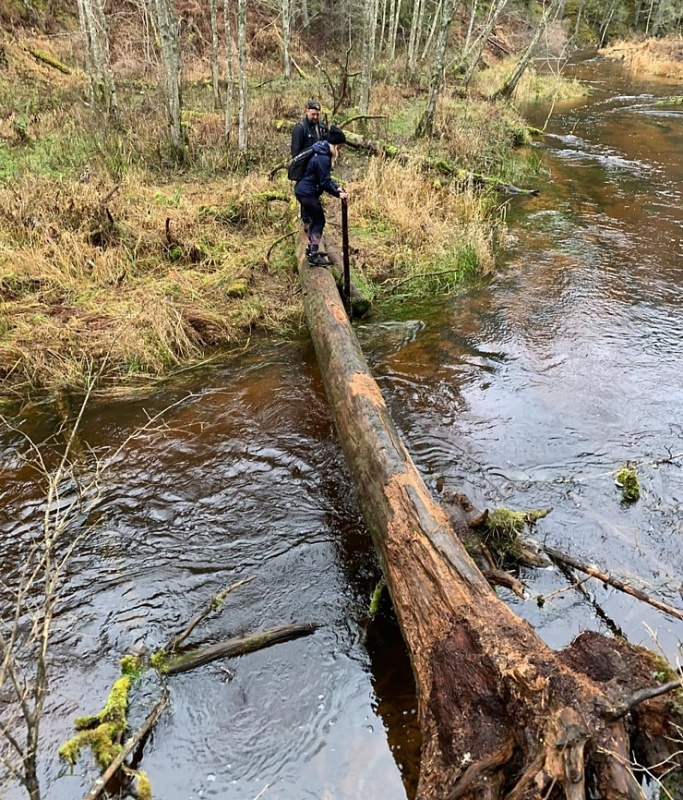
[
  {"x": 376, "y": 597},
  {"x": 627, "y": 479},
  {"x": 159, "y": 660},
  {"x": 144, "y": 785},
  {"x": 131, "y": 665},
  {"x": 503, "y": 529},
  {"x": 103, "y": 732}
]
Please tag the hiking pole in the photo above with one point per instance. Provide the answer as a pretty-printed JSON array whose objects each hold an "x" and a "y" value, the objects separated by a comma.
[{"x": 346, "y": 295}]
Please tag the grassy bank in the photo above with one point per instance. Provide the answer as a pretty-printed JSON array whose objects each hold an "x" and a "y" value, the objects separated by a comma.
[
  {"x": 112, "y": 255},
  {"x": 663, "y": 57}
]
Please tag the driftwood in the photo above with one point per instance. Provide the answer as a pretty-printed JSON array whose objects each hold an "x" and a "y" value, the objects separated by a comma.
[
  {"x": 130, "y": 745},
  {"x": 501, "y": 714},
  {"x": 237, "y": 646},
  {"x": 594, "y": 572}
]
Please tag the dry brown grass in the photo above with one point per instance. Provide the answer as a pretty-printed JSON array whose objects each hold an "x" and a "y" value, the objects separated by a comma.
[
  {"x": 652, "y": 56},
  {"x": 77, "y": 287}
]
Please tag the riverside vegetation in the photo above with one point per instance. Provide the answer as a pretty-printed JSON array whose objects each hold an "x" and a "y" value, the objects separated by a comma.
[{"x": 117, "y": 257}]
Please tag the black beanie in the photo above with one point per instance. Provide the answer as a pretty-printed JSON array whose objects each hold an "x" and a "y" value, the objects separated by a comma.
[{"x": 336, "y": 135}]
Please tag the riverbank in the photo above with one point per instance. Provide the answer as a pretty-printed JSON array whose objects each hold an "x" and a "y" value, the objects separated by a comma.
[
  {"x": 114, "y": 261},
  {"x": 651, "y": 56}
]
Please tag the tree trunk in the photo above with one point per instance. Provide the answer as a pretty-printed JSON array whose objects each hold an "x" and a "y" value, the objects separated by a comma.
[
  {"x": 426, "y": 124},
  {"x": 501, "y": 714},
  {"x": 470, "y": 27},
  {"x": 170, "y": 58},
  {"x": 230, "y": 68},
  {"x": 432, "y": 29},
  {"x": 368, "y": 55},
  {"x": 496, "y": 9},
  {"x": 242, "y": 67},
  {"x": 510, "y": 84},
  {"x": 214, "y": 55},
  {"x": 286, "y": 35},
  {"x": 396, "y": 16},
  {"x": 414, "y": 39}
]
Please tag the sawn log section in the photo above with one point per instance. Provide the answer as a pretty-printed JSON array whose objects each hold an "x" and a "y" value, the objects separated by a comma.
[{"x": 502, "y": 715}]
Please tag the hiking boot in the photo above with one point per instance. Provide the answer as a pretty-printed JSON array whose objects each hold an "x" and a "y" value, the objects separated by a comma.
[{"x": 318, "y": 260}]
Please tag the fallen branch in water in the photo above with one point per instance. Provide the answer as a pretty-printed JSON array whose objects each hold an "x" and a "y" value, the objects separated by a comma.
[
  {"x": 215, "y": 602},
  {"x": 128, "y": 747},
  {"x": 237, "y": 646},
  {"x": 563, "y": 558}
]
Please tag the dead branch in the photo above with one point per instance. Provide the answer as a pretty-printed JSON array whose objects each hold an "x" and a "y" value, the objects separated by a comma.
[
  {"x": 132, "y": 742},
  {"x": 213, "y": 605},
  {"x": 557, "y": 555},
  {"x": 277, "y": 242},
  {"x": 361, "y": 116},
  {"x": 237, "y": 646}
]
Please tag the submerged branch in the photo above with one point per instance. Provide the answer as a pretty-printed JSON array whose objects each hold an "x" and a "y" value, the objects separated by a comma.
[
  {"x": 563, "y": 558},
  {"x": 237, "y": 646}
]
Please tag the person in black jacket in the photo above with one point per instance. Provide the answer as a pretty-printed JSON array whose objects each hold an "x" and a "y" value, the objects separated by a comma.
[
  {"x": 316, "y": 180},
  {"x": 309, "y": 129}
]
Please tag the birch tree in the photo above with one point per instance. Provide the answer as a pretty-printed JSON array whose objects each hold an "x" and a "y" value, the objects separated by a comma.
[
  {"x": 368, "y": 54},
  {"x": 474, "y": 54},
  {"x": 95, "y": 36},
  {"x": 230, "y": 68},
  {"x": 554, "y": 10},
  {"x": 426, "y": 125},
  {"x": 393, "y": 33},
  {"x": 214, "y": 55},
  {"x": 170, "y": 59},
  {"x": 414, "y": 37},
  {"x": 286, "y": 35},
  {"x": 242, "y": 69}
]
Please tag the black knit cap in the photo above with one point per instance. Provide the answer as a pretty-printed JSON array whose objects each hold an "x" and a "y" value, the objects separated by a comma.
[
  {"x": 336, "y": 135},
  {"x": 313, "y": 104}
]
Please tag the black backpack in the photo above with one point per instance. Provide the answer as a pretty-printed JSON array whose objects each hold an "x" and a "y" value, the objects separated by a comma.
[{"x": 297, "y": 166}]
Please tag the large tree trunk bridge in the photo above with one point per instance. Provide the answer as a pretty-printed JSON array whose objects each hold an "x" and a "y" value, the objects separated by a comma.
[{"x": 502, "y": 715}]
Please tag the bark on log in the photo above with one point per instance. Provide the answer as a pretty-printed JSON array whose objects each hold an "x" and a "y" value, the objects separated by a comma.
[{"x": 501, "y": 714}]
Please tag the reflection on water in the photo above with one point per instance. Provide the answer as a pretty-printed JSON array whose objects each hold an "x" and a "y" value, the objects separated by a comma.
[{"x": 527, "y": 392}]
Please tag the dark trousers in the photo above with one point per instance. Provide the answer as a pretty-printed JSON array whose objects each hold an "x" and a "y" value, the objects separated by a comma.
[{"x": 313, "y": 207}]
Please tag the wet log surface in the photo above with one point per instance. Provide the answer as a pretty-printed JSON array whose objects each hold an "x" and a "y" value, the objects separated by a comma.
[{"x": 501, "y": 714}]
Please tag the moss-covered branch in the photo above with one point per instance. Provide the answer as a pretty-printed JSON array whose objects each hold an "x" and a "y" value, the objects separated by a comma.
[{"x": 51, "y": 61}]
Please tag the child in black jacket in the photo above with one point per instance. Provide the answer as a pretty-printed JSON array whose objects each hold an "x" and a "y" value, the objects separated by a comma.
[{"x": 316, "y": 180}]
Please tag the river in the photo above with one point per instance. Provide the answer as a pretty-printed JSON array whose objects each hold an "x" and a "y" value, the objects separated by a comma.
[{"x": 528, "y": 391}]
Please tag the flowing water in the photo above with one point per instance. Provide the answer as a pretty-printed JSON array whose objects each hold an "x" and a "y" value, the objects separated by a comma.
[{"x": 529, "y": 392}]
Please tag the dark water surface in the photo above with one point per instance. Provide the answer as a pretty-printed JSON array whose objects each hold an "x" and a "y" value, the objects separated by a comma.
[{"x": 529, "y": 392}]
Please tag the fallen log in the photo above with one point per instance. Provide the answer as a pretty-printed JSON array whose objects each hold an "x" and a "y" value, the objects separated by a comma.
[{"x": 501, "y": 714}]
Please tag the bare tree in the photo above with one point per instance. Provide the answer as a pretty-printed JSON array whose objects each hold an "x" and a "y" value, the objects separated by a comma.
[
  {"x": 242, "y": 69},
  {"x": 554, "y": 10},
  {"x": 73, "y": 489},
  {"x": 368, "y": 54},
  {"x": 426, "y": 125},
  {"x": 415, "y": 35},
  {"x": 170, "y": 58},
  {"x": 286, "y": 35},
  {"x": 230, "y": 68},
  {"x": 393, "y": 33},
  {"x": 471, "y": 58},
  {"x": 95, "y": 36},
  {"x": 214, "y": 55}
]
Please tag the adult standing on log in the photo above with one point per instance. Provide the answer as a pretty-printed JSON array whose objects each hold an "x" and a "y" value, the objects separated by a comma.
[
  {"x": 307, "y": 131},
  {"x": 316, "y": 180}
]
